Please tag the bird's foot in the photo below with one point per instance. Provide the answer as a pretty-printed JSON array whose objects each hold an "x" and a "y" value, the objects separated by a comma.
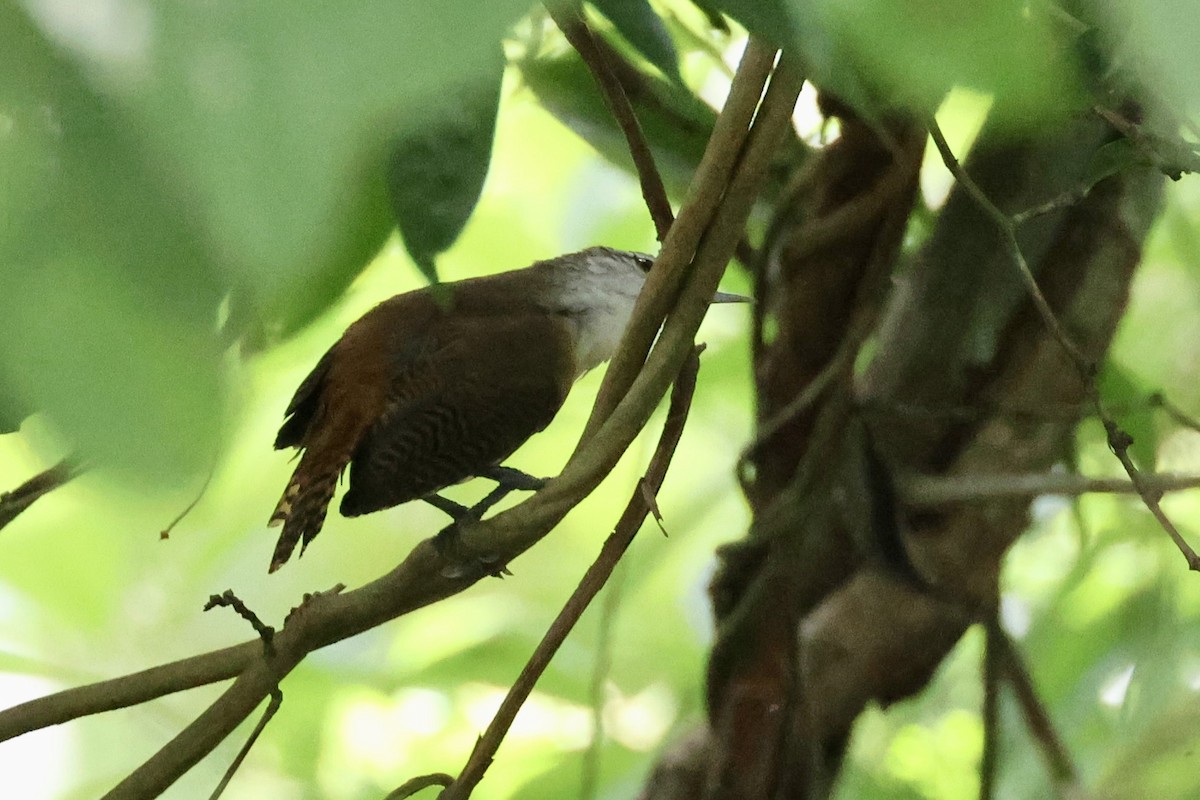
[
  {"x": 507, "y": 480},
  {"x": 458, "y": 563}
]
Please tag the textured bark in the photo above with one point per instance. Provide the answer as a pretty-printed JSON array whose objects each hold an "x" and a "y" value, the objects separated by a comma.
[{"x": 839, "y": 596}]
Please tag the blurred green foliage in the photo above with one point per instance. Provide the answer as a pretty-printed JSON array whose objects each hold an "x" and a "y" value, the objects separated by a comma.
[{"x": 179, "y": 176}]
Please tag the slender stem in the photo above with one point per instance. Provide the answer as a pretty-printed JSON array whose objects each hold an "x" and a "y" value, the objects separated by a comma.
[
  {"x": 269, "y": 712},
  {"x": 991, "y": 711},
  {"x": 1008, "y": 233},
  {"x": 925, "y": 491},
  {"x": 165, "y": 533},
  {"x": 570, "y": 20},
  {"x": 1036, "y": 716},
  {"x": 129, "y": 690},
  {"x": 670, "y": 268},
  {"x": 1118, "y": 440},
  {"x": 592, "y": 582},
  {"x": 589, "y": 773},
  {"x": 14, "y": 502}
]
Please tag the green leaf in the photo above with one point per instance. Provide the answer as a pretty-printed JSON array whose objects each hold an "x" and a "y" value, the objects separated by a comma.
[
  {"x": 436, "y": 171},
  {"x": 276, "y": 118},
  {"x": 771, "y": 20},
  {"x": 880, "y": 54},
  {"x": 643, "y": 29},
  {"x": 676, "y": 123},
  {"x": 107, "y": 318},
  {"x": 10, "y": 417}
]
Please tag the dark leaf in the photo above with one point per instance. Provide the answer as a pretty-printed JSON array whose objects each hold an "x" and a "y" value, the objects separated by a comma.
[
  {"x": 715, "y": 20},
  {"x": 436, "y": 170},
  {"x": 643, "y": 29},
  {"x": 676, "y": 124},
  {"x": 771, "y": 20},
  {"x": 11, "y": 415}
]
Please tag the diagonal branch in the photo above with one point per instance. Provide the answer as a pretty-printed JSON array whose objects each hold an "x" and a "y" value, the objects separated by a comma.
[
  {"x": 1008, "y": 232},
  {"x": 427, "y": 574},
  {"x": 593, "y": 581},
  {"x": 1118, "y": 440},
  {"x": 671, "y": 267},
  {"x": 14, "y": 502},
  {"x": 569, "y": 19}
]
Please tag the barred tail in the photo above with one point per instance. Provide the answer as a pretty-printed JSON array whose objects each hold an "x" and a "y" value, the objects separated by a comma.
[{"x": 302, "y": 508}]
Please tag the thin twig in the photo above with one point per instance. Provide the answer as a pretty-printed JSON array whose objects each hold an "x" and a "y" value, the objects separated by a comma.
[
  {"x": 1118, "y": 440},
  {"x": 414, "y": 785},
  {"x": 1177, "y": 414},
  {"x": 268, "y": 713},
  {"x": 1008, "y": 233},
  {"x": 1172, "y": 157},
  {"x": 165, "y": 533},
  {"x": 589, "y": 773},
  {"x": 990, "y": 711},
  {"x": 1050, "y": 412},
  {"x": 228, "y": 599},
  {"x": 1053, "y": 204},
  {"x": 14, "y": 502},
  {"x": 1062, "y": 768},
  {"x": 593, "y": 580},
  {"x": 569, "y": 19},
  {"x": 802, "y": 402},
  {"x": 266, "y": 633},
  {"x": 926, "y": 491}
]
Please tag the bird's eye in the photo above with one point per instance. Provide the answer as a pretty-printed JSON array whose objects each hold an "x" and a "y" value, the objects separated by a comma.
[{"x": 645, "y": 262}]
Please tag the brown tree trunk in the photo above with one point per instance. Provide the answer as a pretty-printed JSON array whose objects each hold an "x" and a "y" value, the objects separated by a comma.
[{"x": 872, "y": 365}]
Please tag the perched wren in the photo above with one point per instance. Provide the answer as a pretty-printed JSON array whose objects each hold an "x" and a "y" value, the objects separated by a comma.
[{"x": 429, "y": 389}]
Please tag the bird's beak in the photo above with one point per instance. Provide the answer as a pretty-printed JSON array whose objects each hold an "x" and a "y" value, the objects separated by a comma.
[{"x": 727, "y": 297}]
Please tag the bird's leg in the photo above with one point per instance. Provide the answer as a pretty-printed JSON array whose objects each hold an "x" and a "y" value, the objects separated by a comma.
[
  {"x": 507, "y": 480},
  {"x": 448, "y": 540},
  {"x": 456, "y": 511}
]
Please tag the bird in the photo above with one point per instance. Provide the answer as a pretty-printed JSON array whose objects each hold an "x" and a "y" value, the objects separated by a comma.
[{"x": 440, "y": 385}]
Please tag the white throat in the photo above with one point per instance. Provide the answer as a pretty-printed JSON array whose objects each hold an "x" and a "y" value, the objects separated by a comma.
[{"x": 598, "y": 289}]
